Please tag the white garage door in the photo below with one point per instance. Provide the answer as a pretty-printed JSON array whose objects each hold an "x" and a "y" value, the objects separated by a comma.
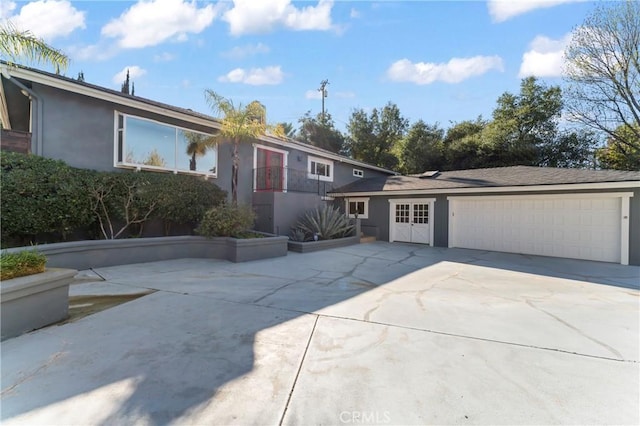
[{"x": 580, "y": 227}]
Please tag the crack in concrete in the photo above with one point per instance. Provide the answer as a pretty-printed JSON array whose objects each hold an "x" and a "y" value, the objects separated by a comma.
[
  {"x": 576, "y": 329},
  {"x": 29, "y": 376},
  {"x": 295, "y": 380}
]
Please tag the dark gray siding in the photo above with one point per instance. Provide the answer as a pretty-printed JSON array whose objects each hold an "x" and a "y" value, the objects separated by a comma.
[
  {"x": 76, "y": 129},
  {"x": 278, "y": 212},
  {"x": 80, "y": 131}
]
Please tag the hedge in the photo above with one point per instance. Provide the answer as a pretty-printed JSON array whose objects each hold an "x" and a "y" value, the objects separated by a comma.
[{"x": 45, "y": 200}]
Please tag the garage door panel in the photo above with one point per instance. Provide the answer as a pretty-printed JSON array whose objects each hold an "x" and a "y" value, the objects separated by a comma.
[{"x": 576, "y": 227}]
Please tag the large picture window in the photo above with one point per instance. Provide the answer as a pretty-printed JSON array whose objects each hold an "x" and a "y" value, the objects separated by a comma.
[
  {"x": 320, "y": 168},
  {"x": 149, "y": 144}
]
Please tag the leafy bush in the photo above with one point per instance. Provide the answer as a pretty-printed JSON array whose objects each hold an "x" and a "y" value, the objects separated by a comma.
[
  {"x": 326, "y": 222},
  {"x": 45, "y": 200},
  {"x": 185, "y": 199},
  {"x": 122, "y": 200},
  {"x": 226, "y": 220},
  {"x": 20, "y": 264},
  {"x": 41, "y": 196}
]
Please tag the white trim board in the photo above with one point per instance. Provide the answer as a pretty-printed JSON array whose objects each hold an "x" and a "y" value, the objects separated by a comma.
[{"x": 494, "y": 189}]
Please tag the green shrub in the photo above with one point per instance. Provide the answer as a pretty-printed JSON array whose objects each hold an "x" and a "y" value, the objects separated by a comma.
[
  {"x": 20, "y": 264},
  {"x": 121, "y": 201},
  {"x": 326, "y": 222},
  {"x": 45, "y": 200},
  {"x": 41, "y": 196},
  {"x": 185, "y": 199},
  {"x": 226, "y": 220}
]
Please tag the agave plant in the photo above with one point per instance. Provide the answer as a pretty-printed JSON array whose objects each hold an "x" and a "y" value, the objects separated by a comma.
[
  {"x": 298, "y": 235},
  {"x": 326, "y": 222}
]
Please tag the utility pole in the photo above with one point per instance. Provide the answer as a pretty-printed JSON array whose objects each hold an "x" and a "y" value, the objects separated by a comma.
[{"x": 323, "y": 89}]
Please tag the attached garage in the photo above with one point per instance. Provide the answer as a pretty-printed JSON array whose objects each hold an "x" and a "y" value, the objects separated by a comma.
[
  {"x": 571, "y": 213},
  {"x": 578, "y": 226}
]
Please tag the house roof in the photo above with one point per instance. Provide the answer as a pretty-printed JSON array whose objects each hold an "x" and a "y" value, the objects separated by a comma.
[
  {"x": 477, "y": 180},
  {"x": 99, "y": 92}
]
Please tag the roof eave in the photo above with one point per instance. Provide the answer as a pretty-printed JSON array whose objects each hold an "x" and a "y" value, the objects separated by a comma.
[
  {"x": 495, "y": 189},
  {"x": 92, "y": 92}
]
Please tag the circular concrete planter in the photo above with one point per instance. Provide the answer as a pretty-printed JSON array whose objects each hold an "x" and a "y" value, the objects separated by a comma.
[{"x": 34, "y": 301}]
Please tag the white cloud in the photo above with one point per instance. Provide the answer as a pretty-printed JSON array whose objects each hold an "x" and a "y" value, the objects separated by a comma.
[
  {"x": 134, "y": 72},
  {"x": 93, "y": 52},
  {"x": 6, "y": 9},
  {"x": 254, "y": 76},
  {"x": 454, "y": 71},
  {"x": 354, "y": 13},
  {"x": 48, "y": 19},
  {"x": 251, "y": 16},
  {"x": 502, "y": 10},
  {"x": 545, "y": 57},
  {"x": 313, "y": 94},
  {"x": 345, "y": 95},
  {"x": 239, "y": 52},
  {"x": 151, "y": 22},
  {"x": 164, "y": 57}
]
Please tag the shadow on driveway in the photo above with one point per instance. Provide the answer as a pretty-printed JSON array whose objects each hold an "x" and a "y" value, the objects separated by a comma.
[{"x": 220, "y": 342}]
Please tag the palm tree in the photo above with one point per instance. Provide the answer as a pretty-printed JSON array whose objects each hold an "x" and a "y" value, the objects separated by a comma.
[
  {"x": 239, "y": 124},
  {"x": 197, "y": 146},
  {"x": 16, "y": 44}
]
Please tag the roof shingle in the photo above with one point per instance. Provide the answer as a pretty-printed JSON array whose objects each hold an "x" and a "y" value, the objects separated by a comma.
[{"x": 491, "y": 177}]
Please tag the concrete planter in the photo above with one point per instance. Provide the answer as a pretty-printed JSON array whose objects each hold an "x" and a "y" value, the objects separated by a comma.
[
  {"x": 101, "y": 253},
  {"x": 35, "y": 301},
  {"x": 311, "y": 246},
  {"x": 245, "y": 249}
]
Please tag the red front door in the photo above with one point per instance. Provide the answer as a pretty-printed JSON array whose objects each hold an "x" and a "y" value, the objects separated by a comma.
[{"x": 270, "y": 172}]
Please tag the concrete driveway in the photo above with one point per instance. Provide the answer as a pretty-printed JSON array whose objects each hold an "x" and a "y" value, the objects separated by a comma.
[{"x": 370, "y": 334}]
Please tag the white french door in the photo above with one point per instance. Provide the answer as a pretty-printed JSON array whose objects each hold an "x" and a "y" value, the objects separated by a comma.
[{"x": 411, "y": 220}]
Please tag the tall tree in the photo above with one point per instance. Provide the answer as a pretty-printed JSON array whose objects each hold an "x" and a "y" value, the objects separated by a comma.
[
  {"x": 17, "y": 45},
  {"x": 287, "y": 129},
  {"x": 373, "y": 137},
  {"x": 320, "y": 131},
  {"x": 569, "y": 149},
  {"x": 126, "y": 85},
  {"x": 462, "y": 145},
  {"x": 422, "y": 149},
  {"x": 612, "y": 157},
  {"x": 522, "y": 124},
  {"x": 603, "y": 75},
  {"x": 239, "y": 124}
]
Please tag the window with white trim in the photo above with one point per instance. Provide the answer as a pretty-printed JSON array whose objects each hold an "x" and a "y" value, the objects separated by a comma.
[
  {"x": 358, "y": 173},
  {"x": 319, "y": 168},
  {"x": 357, "y": 206},
  {"x": 151, "y": 145}
]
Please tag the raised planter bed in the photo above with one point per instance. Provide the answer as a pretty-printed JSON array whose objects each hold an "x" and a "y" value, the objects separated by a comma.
[
  {"x": 100, "y": 253},
  {"x": 311, "y": 246},
  {"x": 34, "y": 301}
]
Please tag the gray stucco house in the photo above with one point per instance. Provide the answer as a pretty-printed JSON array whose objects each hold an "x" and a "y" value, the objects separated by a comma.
[
  {"x": 92, "y": 127},
  {"x": 572, "y": 213}
]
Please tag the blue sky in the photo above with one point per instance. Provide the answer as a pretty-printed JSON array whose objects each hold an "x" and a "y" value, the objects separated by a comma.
[{"x": 439, "y": 61}]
